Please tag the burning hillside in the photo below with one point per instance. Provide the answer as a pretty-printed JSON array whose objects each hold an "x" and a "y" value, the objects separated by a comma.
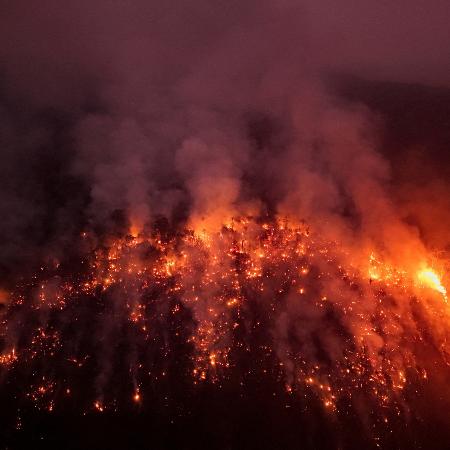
[
  {"x": 215, "y": 233},
  {"x": 257, "y": 298}
]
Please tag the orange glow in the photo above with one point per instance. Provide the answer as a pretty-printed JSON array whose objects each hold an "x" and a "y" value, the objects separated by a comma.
[
  {"x": 98, "y": 406},
  {"x": 220, "y": 275},
  {"x": 430, "y": 279}
]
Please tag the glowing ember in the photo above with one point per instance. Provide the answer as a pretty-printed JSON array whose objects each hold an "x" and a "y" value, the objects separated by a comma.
[
  {"x": 290, "y": 303},
  {"x": 8, "y": 358}
]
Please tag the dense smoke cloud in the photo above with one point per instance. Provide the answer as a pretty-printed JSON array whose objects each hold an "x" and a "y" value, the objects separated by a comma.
[{"x": 146, "y": 107}]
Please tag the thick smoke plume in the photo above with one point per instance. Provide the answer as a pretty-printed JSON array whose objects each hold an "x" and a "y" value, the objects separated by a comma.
[{"x": 158, "y": 109}]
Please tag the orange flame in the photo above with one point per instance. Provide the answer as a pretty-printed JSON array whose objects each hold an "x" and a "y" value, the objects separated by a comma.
[{"x": 429, "y": 278}]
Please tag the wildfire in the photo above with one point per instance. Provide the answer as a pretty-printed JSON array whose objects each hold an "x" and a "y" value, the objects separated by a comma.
[
  {"x": 274, "y": 293},
  {"x": 8, "y": 358}
]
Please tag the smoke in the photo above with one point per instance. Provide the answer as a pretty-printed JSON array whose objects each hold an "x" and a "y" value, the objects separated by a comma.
[
  {"x": 159, "y": 108},
  {"x": 402, "y": 42},
  {"x": 118, "y": 113}
]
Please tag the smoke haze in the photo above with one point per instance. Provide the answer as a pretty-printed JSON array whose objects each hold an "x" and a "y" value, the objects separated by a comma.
[{"x": 140, "y": 106}]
